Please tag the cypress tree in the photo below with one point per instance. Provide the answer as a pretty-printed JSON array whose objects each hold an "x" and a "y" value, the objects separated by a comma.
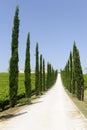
[
  {"x": 49, "y": 76},
  {"x": 44, "y": 75},
  {"x": 68, "y": 75},
  {"x": 28, "y": 69},
  {"x": 64, "y": 76},
  {"x": 47, "y": 80},
  {"x": 70, "y": 71},
  {"x": 37, "y": 72},
  {"x": 41, "y": 73},
  {"x": 79, "y": 80},
  {"x": 72, "y": 74},
  {"x": 13, "y": 67},
  {"x": 73, "y": 80}
]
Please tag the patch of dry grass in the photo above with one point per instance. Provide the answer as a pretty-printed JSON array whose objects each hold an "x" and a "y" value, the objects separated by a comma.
[{"x": 82, "y": 105}]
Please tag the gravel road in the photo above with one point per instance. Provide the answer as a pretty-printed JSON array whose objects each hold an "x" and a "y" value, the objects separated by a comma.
[{"x": 53, "y": 111}]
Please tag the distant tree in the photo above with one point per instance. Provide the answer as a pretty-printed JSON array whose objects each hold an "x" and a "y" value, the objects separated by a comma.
[
  {"x": 13, "y": 67},
  {"x": 28, "y": 69},
  {"x": 73, "y": 80},
  {"x": 79, "y": 80},
  {"x": 49, "y": 76},
  {"x": 41, "y": 76},
  {"x": 37, "y": 72},
  {"x": 68, "y": 75},
  {"x": 70, "y": 61},
  {"x": 44, "y": 83},
  {"x": 74, "y": 73}
]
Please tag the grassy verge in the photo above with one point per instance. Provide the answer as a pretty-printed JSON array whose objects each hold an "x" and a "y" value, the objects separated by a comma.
[{"x": 82, "y": 105}]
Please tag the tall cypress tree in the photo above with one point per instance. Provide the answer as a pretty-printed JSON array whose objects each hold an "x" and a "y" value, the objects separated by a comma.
[
  {"x": 44, "y": 83},
  {"x": 37, "y": 72},
  {"x": 41, "y": 73},
  {"x": 28, "y": 69},
  {"x": 79, "y": 80},
  {"x": 13, "y": 67}
]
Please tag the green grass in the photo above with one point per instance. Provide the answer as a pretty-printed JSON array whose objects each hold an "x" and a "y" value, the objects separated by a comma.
[
  {"x": 4, "y": 85},
  {"x": 85, "y": 80},
  {"x": 21, "y": 88}
]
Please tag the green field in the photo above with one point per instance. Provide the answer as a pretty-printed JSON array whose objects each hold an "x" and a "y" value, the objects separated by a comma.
[
  {"x": 4, "y": 89},
  {"x": 4, "y": 85},
  {"x": 85, "y": 80}
]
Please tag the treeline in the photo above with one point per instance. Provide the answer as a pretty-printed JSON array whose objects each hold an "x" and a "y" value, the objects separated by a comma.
[
  {"x": 43, "y": 80},
  {"x": 72, "y": 75}
]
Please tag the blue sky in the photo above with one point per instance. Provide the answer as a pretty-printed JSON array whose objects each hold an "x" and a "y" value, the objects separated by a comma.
[{"x": 54, "y": 24}]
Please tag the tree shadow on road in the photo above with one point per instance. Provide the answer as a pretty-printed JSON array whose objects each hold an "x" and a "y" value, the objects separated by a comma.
[
  {"x": 12, "y": 115},
  {"x": 8, "y": 116}
]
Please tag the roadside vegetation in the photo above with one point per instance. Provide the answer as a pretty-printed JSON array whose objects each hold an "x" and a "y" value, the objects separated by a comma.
[
  {"x": 4, "y": 88},
  {"x": 74, "y": 81},
  {"x": 18, "y": 87},
  {"x": 82, "y": 105},
  {"x": 21, "y": 94},
  {"x": 72, "y": 75}
]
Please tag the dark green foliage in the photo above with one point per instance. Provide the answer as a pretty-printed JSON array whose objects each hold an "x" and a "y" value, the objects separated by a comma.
[
  {"x": 48, "y": 75},
  {"x": 51, "y": 76},
  {"x": 13, "y": 68},
  {"x": 28, "y": 69},
  {"x": 37, "y": 72},
  {"x": 68, "y": 76},
  {"x": 41, "y": 78},
  {"x": 73, "y": 81},
  {"x": 44, "y": 83},
  {"x": 70, "y": 70},
  {"x": 72, "y": 75},
  {"x": 79, "y": 80}
]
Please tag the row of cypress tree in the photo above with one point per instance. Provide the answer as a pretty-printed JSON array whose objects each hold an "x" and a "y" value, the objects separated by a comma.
[
  {"x": 43, "y": 80},
  {"x": 72, "y": 75}
]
